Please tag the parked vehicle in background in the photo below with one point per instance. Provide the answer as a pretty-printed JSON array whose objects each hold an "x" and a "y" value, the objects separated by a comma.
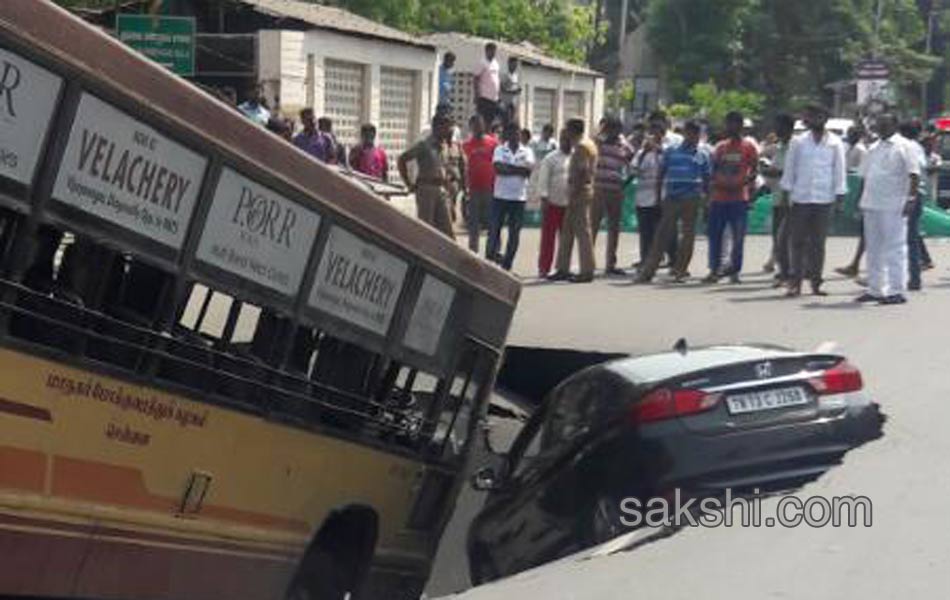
[
  {"x": 836, "y": 125},
  {"x": 942, "y": 127}
]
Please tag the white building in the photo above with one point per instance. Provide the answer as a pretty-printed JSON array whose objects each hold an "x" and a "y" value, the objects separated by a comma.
[
  {"x": 348, "y": 68},
  {"x": 553, "y": 90}
]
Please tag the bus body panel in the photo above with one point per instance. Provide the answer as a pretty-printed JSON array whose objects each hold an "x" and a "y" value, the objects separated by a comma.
[{"x": 85, "y": 458}]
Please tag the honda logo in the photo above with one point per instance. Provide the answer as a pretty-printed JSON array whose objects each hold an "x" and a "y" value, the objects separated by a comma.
[{"x": 763, "y": 370}]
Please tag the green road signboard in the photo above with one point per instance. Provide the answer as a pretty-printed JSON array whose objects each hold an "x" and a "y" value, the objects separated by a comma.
[{"x": 169, "y": 41}]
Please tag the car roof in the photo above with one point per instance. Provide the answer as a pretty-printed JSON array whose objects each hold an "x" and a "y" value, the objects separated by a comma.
[{"x": 659, "y": 367}]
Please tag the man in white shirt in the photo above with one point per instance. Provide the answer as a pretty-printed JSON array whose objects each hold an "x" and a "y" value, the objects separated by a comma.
[
  {"x": 815, "y": 176},
  {"x": 553, "y": 190},
  {"x": 487, "y": 82},
  {"x": 509, "y": 92},
  {"x": 856, "y": 149},
  {"x": 254, "y": 107},
  {"x": 513, "y": 164},
  {"x": 891, "y": 178}
]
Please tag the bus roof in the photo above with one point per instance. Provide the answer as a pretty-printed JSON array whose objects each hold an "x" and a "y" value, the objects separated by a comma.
[{"x": 96, "y": 56}]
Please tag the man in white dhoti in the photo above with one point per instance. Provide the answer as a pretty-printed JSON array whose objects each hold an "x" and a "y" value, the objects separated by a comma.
[{"x": 891, "y": 175}]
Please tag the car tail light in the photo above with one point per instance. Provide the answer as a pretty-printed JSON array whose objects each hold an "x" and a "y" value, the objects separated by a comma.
[
  {"x": 662, "y": 404},
  {"x": 840, "y": 379}
]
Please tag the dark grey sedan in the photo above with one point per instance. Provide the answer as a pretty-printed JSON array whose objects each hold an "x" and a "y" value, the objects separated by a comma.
[{"x": 697, "y": 421}]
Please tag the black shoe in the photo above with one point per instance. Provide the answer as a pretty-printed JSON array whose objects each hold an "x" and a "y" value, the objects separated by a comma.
[
  {"x": 794, "y": 289},
  {"x": 581, "y": 278},
  {"x": 734, "y": 279},
  {"x": 849, "y": 271},
  {"x": 895, "y": 299},
  {"x": 560, "y": 276},
  {"x": 711, "y": 278},
  {"x": 817, "y": 291},
  {"x": 680, "y": 277},
  {"x": 914, "y": 287},
  {"x": 864, "y": 298},
  {"x": 615, "y": 271}
]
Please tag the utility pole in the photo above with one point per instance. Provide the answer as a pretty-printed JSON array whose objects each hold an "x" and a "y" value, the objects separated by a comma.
[
  {"x": 924, "y": 105},
  {"x": 877, "y": 29},
  {"x": 624, "y": 7}
]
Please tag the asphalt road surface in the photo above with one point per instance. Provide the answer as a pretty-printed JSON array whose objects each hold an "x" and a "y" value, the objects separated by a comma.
[{"x": 904, "y": 353}]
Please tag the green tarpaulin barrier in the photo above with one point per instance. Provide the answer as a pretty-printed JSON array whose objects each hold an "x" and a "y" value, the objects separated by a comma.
[{"x": 935, "y": 221}]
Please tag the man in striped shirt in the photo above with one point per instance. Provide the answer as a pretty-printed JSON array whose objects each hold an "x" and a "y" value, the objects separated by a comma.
[
  {"x": 685, "y": 171},
  {"x": 614, "y": 154}
]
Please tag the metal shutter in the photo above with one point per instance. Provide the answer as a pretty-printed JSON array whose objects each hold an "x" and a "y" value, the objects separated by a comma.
[
  {"x": 344, "y": 99},
  {"x": 396, "y": 91},
  {"x": 574, "y": 105},
  {"x": 543, "y": 108}
]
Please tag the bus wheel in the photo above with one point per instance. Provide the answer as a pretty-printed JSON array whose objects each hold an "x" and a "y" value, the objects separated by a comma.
[{"x": 338, "y": 559}]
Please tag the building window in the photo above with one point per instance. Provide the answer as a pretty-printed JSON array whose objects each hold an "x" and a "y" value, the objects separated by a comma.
[
  {"x": 396, "y": 93},
  {"x": 544, "y": 109},
  {"x": 311, "y": 80},
  {"x": 463, "y": 98},
  {"x": 344, "y": 99},
  {"x": 574, "y": 106}
]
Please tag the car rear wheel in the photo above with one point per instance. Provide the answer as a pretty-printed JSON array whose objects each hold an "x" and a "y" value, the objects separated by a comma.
[
  {"x": 481, "y": 567},
  {"x": 604, "y": 522}
]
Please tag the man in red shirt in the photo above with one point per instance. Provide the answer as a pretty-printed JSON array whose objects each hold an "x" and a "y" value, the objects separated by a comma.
[
  {"x": 368, "y": 158},
  {"x": 479, "y": 153},
  {"x": 735, "y": 162}
]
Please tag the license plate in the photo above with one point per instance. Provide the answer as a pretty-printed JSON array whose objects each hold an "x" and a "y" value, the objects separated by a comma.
[{"x": 766, "y": 400}]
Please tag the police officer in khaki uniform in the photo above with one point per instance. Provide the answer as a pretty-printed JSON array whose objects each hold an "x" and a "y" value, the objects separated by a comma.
[
  {"x": 576, "y": 224},
  {"x": 434, "y": 180}
]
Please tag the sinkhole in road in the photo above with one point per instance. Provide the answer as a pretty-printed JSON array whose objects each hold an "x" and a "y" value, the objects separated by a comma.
[{"x": 529, "y": 374}]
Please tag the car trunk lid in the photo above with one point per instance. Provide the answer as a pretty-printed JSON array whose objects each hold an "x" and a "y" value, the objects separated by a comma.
[{"x": 755, "y": 394}]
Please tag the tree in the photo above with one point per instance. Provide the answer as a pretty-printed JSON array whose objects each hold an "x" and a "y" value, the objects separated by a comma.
[
  {"x": 698, "y": 40},
  {"x": 789, "y": 51},
  {"x": 604, "y": 54},
  {"x": 707, "y": 100},
  {"x": 621, "y": 95},
  {"x": 561, "y": 27}
]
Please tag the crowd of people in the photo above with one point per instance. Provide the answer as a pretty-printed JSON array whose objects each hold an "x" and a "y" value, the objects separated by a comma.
[
  {"x": 683, "y": 175},
  {"x": 681, "y": 178},
  {"x": 316, "y": 136}
]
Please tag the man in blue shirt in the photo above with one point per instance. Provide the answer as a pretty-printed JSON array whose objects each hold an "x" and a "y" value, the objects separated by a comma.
[
  {"x": 685, "y": 171},
  {"x": 446, "y": 73}
]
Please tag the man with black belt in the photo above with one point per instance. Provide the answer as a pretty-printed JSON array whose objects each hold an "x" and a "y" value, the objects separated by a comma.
[
  {"x": 576, "y": 224},
  {"x": 815, "y": 176},
  {"x": 432, "y": 184}
]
